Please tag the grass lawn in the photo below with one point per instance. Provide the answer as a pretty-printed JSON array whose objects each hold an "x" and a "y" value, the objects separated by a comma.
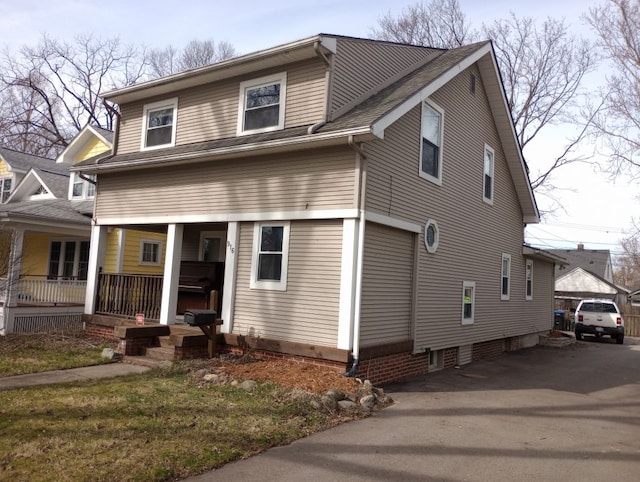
[
  {"x": 21, "y": 354},
  {"x": 157, "y": 426}
]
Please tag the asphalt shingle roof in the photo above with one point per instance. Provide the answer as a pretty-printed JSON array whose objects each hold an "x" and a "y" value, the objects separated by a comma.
[
  {"x": 61, "y": 209},
  {"x": 23, "y": 162}
]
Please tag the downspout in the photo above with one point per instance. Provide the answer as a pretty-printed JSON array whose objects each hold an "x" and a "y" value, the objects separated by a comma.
[{"x": 362, "y": 179}]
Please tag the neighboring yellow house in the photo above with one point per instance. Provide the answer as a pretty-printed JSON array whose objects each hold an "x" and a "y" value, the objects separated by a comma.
[{"x": 46, "y": 214}]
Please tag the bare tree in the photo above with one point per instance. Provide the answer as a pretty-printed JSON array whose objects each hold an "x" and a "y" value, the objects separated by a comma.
[
  {"x": 197, "y": 53},
  {"x": 627, "y": 270},
  {"x": 542, "y": 67},
  {"x": 617, "y": 24},
  {"x": 440, "y": 24},
  {"x": 52, "y": 90}
]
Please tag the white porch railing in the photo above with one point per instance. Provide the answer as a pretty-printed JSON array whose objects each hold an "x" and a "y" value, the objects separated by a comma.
[{"x": 54, "y": 291}]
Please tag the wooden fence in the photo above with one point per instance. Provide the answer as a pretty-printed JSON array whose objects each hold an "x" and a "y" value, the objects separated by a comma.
[
  {"x": 129, "y": 294},
  {"x": 631, "y": 314}
]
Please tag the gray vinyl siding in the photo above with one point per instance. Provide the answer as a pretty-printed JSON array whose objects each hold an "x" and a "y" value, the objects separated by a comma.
[
  {"x": 318, "y": 180},
  {"x": 473, "y": 234},
  {"x": 361, "y": 65},
  {"x": 387, "y": 282},
  {"x": 210, "y": 112},
  {"x": 307, "y": 312}
]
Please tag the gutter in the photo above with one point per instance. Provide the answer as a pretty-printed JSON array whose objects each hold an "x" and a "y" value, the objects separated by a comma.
[
  {"x": 360, "y": 255},
  {"x": 330, "y": 138}
]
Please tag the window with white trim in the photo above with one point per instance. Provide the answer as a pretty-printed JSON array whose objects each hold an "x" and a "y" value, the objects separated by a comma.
[
  {"x": 159, "y": 124},
  {"x": 431, "y": 236},
  {"x": 150, "y": 250},
  {"x": 6, "y": 184},
  {"x": 489, "y": 161},
  {"x": 83, "y": 188},
  {"x": 505, "y": 280},
  {"x": 431, "y": 143},
  {"x": 529, "y": 280},
  {"x": 68, "y": 260},
  {"x": 468, "y": 302},
  {"x": 270, "y": 256},
  {"x": 262, "y": 104}
]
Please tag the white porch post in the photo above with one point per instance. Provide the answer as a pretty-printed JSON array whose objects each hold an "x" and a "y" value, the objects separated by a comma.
[
  {"x": 230, "y": 272},
  {"x": 346, "y": 314},
  {"x": 15, "y": 266},
  {"x": 171, "y": 274},
  {"x": 96, "y": 262}
]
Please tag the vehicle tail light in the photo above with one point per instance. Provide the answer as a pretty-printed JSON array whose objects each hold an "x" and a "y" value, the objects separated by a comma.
[
  {"x": 618, "y": 321},
  {"x": 580, "y": 318}
]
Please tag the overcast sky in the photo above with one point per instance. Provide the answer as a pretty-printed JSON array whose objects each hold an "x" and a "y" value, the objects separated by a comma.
[{"x": 598, "y": 212}]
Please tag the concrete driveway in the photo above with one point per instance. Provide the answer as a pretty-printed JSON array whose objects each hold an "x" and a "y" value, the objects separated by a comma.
[{"x": 545, "y": 414}]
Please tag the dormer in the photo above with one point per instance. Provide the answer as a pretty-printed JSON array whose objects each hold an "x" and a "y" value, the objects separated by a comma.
[
  {"x": 90, "y": 142},
  {"x": 14, "y": 166}
]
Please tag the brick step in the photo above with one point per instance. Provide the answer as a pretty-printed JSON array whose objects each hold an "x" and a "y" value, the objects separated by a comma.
[{"x": 160, "y": 353}]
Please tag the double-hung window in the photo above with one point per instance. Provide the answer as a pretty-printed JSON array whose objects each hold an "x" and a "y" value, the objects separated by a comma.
[
  {"x": 83, "y": 188},
  {"x": 489, "y": 161},
  {"x": 5, "y": 188},
  {"x": 468, "y": 302},
  {"x": 270, "y": 256},
  {"x": 262, "y": 104},
  {"x": 159, "y": 124},
  {"x": 431, "y": 144},
  {"x": 68, "y": 259},
  {"x": 150, "y": 252},
  {"x": 505, "y": 281},
  {"x": 529, "y": 280}
]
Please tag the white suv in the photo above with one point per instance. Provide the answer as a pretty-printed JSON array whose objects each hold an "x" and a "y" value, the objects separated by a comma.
[{"x": 599, "y": 317}]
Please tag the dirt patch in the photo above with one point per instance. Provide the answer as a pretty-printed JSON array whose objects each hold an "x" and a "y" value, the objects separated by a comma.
[{"x": 311, "y": 378}]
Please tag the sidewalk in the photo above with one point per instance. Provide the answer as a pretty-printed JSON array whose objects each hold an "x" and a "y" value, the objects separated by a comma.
[{"x": 71, "y": 375}]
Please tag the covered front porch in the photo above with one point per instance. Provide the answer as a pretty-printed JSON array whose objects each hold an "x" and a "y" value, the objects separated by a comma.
[{"x": 180, "y": 268}]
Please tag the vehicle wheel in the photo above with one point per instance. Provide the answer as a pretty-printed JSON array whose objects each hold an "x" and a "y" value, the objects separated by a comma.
[
  {"x": 578, "y": 335},
  {"x": 620, "y": 339}
]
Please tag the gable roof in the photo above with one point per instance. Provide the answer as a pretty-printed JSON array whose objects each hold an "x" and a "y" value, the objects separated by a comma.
[
  {"x": 80, "y": 141},
  {"x": 584, "y": 283},
  {"x": 595, "y": 261},
  {"x": 56, "y": 184},
  {"x": 22, "y": 162},
  {"x": 54, "y": 212},
  {"x": 365, "y": 121}
]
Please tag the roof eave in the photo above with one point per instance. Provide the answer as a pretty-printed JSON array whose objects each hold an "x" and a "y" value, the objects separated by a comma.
[{"x": 279, "y": 55}]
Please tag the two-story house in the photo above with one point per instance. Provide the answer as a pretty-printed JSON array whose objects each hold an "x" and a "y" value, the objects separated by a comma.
[{"x": 365, "y": 200}]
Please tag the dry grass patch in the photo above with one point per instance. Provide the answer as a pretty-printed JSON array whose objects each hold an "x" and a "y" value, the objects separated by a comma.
[
  {"x": 157, "y": 426},
  {"x": 20, "y": 354}
]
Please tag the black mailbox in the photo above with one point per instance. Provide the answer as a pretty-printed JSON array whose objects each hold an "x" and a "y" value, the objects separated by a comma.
[{"x": 200, "y": 317}]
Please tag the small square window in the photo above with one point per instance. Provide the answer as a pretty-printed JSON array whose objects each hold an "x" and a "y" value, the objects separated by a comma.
[
  {"x": 270, "y": 256},
  {"x": 83, "y": 188},
  {"x": 262, "y": 104},
  {"x": 431, "y": 143},
  {"x": 159, "y": 124},
  {"x": 468, "y": 302},
  {"x": 150, "y": 252}
]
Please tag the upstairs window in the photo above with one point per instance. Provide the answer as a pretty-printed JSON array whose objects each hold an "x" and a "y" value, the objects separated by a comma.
[
  {"x": 489, "y": 156},
  {"x": 5, "y": 188},
  {"x": 431, "y": 145},
  {"x": 159, "y": 124},
  {"x": 83, "y": 188},
  {"x": 262, "y": 104},
  {"x": 270, "y": 256}
]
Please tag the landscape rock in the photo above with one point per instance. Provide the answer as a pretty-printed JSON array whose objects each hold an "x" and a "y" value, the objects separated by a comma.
[
  {"x": 248, "y": 385},
  {"x": 347, "y": 405},
  {"x": 368, "y": 402},
  {"x": 336, "y": 394},
  {"x": 211, "y": 378},
  {"x": 111, "y": 354}
]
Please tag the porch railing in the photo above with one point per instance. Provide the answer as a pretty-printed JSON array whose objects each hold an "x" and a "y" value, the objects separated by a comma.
[
  {"x": 40, "y": 290},
  {"x": 129, "y": 294}
]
